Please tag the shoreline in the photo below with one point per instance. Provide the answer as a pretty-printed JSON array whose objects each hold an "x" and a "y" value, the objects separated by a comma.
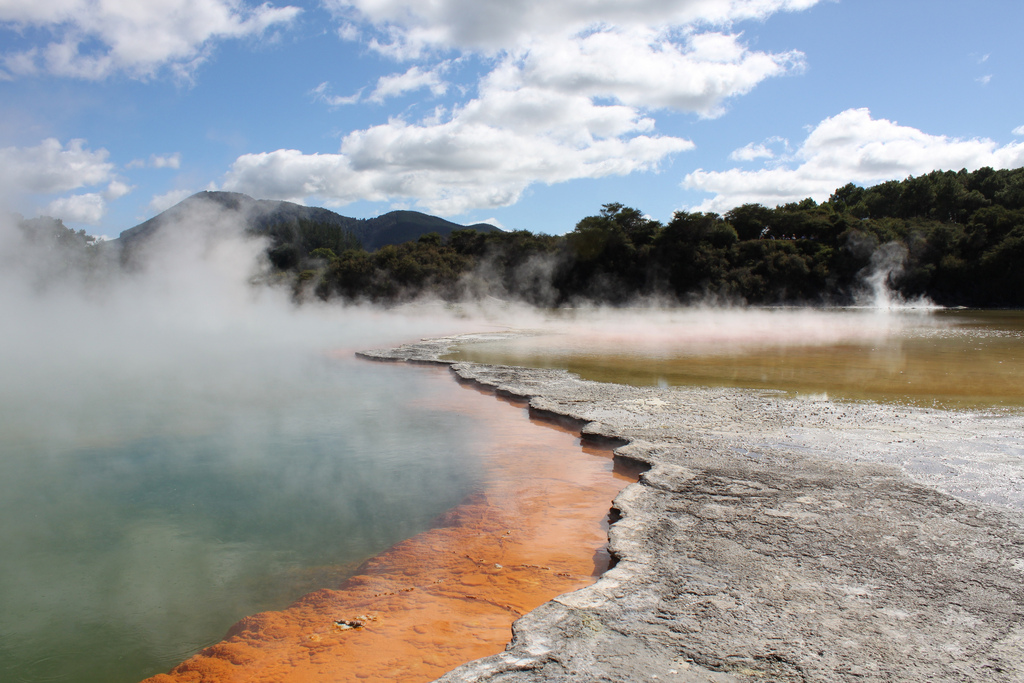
[
  {"x": 534, "y": 528},
  {"x": 778, "y": 539}
]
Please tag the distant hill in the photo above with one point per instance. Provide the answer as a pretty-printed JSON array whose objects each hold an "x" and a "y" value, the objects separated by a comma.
[
  {"x": 396, "y": 227},
  {"x": 287, "y": 221}
]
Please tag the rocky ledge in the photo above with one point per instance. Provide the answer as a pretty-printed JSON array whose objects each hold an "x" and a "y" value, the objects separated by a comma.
[{"x": 780, "y": 539}]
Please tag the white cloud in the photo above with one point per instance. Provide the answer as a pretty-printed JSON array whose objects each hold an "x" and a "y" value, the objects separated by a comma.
[
  {"x": 157, "y": 161},
  {"x": 116, "y": 189},
  {"x": 645, "y": 68},
  {"x": 321, "y": 93},
  {"x": 1019, "y": 130},
  {"x": 93, "y": 39},
  {"x": 652, "y": 54},
  {"x": 51, "y": 168},
  {"x": 761, "y": 150},
  {"x": 167, "y": 161},
  {"x": 565, "y": 99},
  {"x": 392, "y": 85},
  {"x": 484, "y": 155},
  {"x": 413, "y": 79},
  {"x": 162, "y": 202},
  {"x": 81, "y": 208},
  {"x": 349, "y": 32},
  {"x": 850, "y": 147},
  {"x": 984, "y": 80},
  {"x": 445, "y": 171},
  {"x": 413, "y": 25},
  {"x": 750, "y": 152}
]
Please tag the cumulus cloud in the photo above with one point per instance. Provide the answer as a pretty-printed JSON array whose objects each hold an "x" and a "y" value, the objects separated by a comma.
[
  {"x": 483, "y": 155},
  {"x": 751, "y": 151},
  {"x": 51, "y": 167},
  {"x": 92, "y": 40},
  {"x": 849, "y": 147},
  {"x": 446, "y": 169},
  {"x": 647, "y": 53},
  {"x": 567, "y": 96},
  {"x": 496, "y": 26},
  {"x": 81, "y": 208},
  {"x": 1019, "y": 130},
  {"x": 116, "y": 189},
  {"x": 645, "y": 68},
  {"x": 168, "y": 161},
  {"x": 412, "y": 80},
  {"x": 761, "y": 150}
]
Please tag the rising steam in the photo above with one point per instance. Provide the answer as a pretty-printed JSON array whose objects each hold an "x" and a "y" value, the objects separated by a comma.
[{"x": 887, "y": 265}]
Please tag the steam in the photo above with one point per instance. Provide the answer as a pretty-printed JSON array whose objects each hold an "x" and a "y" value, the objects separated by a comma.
[
  {"x": 191, "y": 329},
  {"x": 671, "y": 332},
  {"x": 887, "y": 265},
  {"x": 190, "y": 342},
  {"x": 196, "y": 309},
  {"x": 177, "y": 428}
]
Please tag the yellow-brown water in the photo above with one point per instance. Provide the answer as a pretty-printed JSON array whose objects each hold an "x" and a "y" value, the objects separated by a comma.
[{"x": 945, "y": 359}]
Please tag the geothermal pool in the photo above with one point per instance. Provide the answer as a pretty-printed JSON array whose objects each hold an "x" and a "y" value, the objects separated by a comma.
[
  {"x": 950, "y": 359},
  {"x": 535, "y": 528},
  {"x": 137, "y": 529},
  {"x": 149, "y": 504}
]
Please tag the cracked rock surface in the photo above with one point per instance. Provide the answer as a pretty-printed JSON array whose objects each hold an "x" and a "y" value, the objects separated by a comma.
[{"x": 778, "y": 539}]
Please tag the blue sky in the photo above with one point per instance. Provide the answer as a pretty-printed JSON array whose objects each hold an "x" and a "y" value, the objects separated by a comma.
[{"x": 527, "y": 113}]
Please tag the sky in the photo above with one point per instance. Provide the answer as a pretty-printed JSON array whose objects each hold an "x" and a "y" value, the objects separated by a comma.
[{"x": 529, "y": 114}]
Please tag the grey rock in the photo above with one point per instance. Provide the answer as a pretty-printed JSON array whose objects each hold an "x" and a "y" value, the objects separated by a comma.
[{"x": 774, "y": 539}]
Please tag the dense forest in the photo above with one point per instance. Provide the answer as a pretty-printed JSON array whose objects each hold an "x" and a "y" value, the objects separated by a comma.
[{"x": 955, "y": 238}]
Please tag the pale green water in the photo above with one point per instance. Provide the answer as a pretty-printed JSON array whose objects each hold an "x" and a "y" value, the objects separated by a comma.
[
  {"x": 151, "y": 497},
  {"x": 940, "y": 358},
  {"x": 140, "y": 519}
]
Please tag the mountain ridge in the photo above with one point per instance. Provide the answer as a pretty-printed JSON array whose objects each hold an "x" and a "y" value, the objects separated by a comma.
[{"x": 269, "y": 216}]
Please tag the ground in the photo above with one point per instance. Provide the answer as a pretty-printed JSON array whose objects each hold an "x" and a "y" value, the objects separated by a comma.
[{"x": 780, "y": 539}]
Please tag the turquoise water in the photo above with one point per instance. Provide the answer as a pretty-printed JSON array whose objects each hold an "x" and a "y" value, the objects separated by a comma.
[{"x": 144, "y": 510}]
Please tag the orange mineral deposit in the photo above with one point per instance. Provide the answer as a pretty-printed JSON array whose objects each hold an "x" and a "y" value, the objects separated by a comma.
[{"x": 536, "y": 529}]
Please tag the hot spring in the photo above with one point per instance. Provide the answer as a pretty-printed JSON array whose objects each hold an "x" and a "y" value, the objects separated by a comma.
[
  {"x": 161, "y": 480},
  {"x": 949, "y": 359},
  {"x": 146, "y": 511},
  {"x": 180, "y": 449}
]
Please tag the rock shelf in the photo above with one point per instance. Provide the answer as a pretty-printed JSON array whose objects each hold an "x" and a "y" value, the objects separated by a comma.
[{"x": 779, "y": 539}]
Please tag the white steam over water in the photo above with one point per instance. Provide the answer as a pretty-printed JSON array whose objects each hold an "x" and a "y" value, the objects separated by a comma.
[
  {"x": 179, "y": 448},
  {"x": 171, "y": 430},
  {"x": 188, "y": 317},
  {"x": 887, "y": 263}
]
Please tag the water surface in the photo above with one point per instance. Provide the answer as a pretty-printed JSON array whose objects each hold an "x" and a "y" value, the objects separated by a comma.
[
  {"x": 535, "y": 528},
  {"x": 141, "y": 517},
  {"x": 933, "y": 358}
]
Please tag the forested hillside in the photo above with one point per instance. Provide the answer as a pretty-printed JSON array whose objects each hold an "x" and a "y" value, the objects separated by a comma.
[
  {"x": 293, "y": 230},
  {"x": 956, "y": 238}
]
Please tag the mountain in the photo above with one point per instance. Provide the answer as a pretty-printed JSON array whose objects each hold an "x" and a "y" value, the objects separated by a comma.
[
  {"x": 396, "y": 227},
  {"x": 285, "y": 222}
]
